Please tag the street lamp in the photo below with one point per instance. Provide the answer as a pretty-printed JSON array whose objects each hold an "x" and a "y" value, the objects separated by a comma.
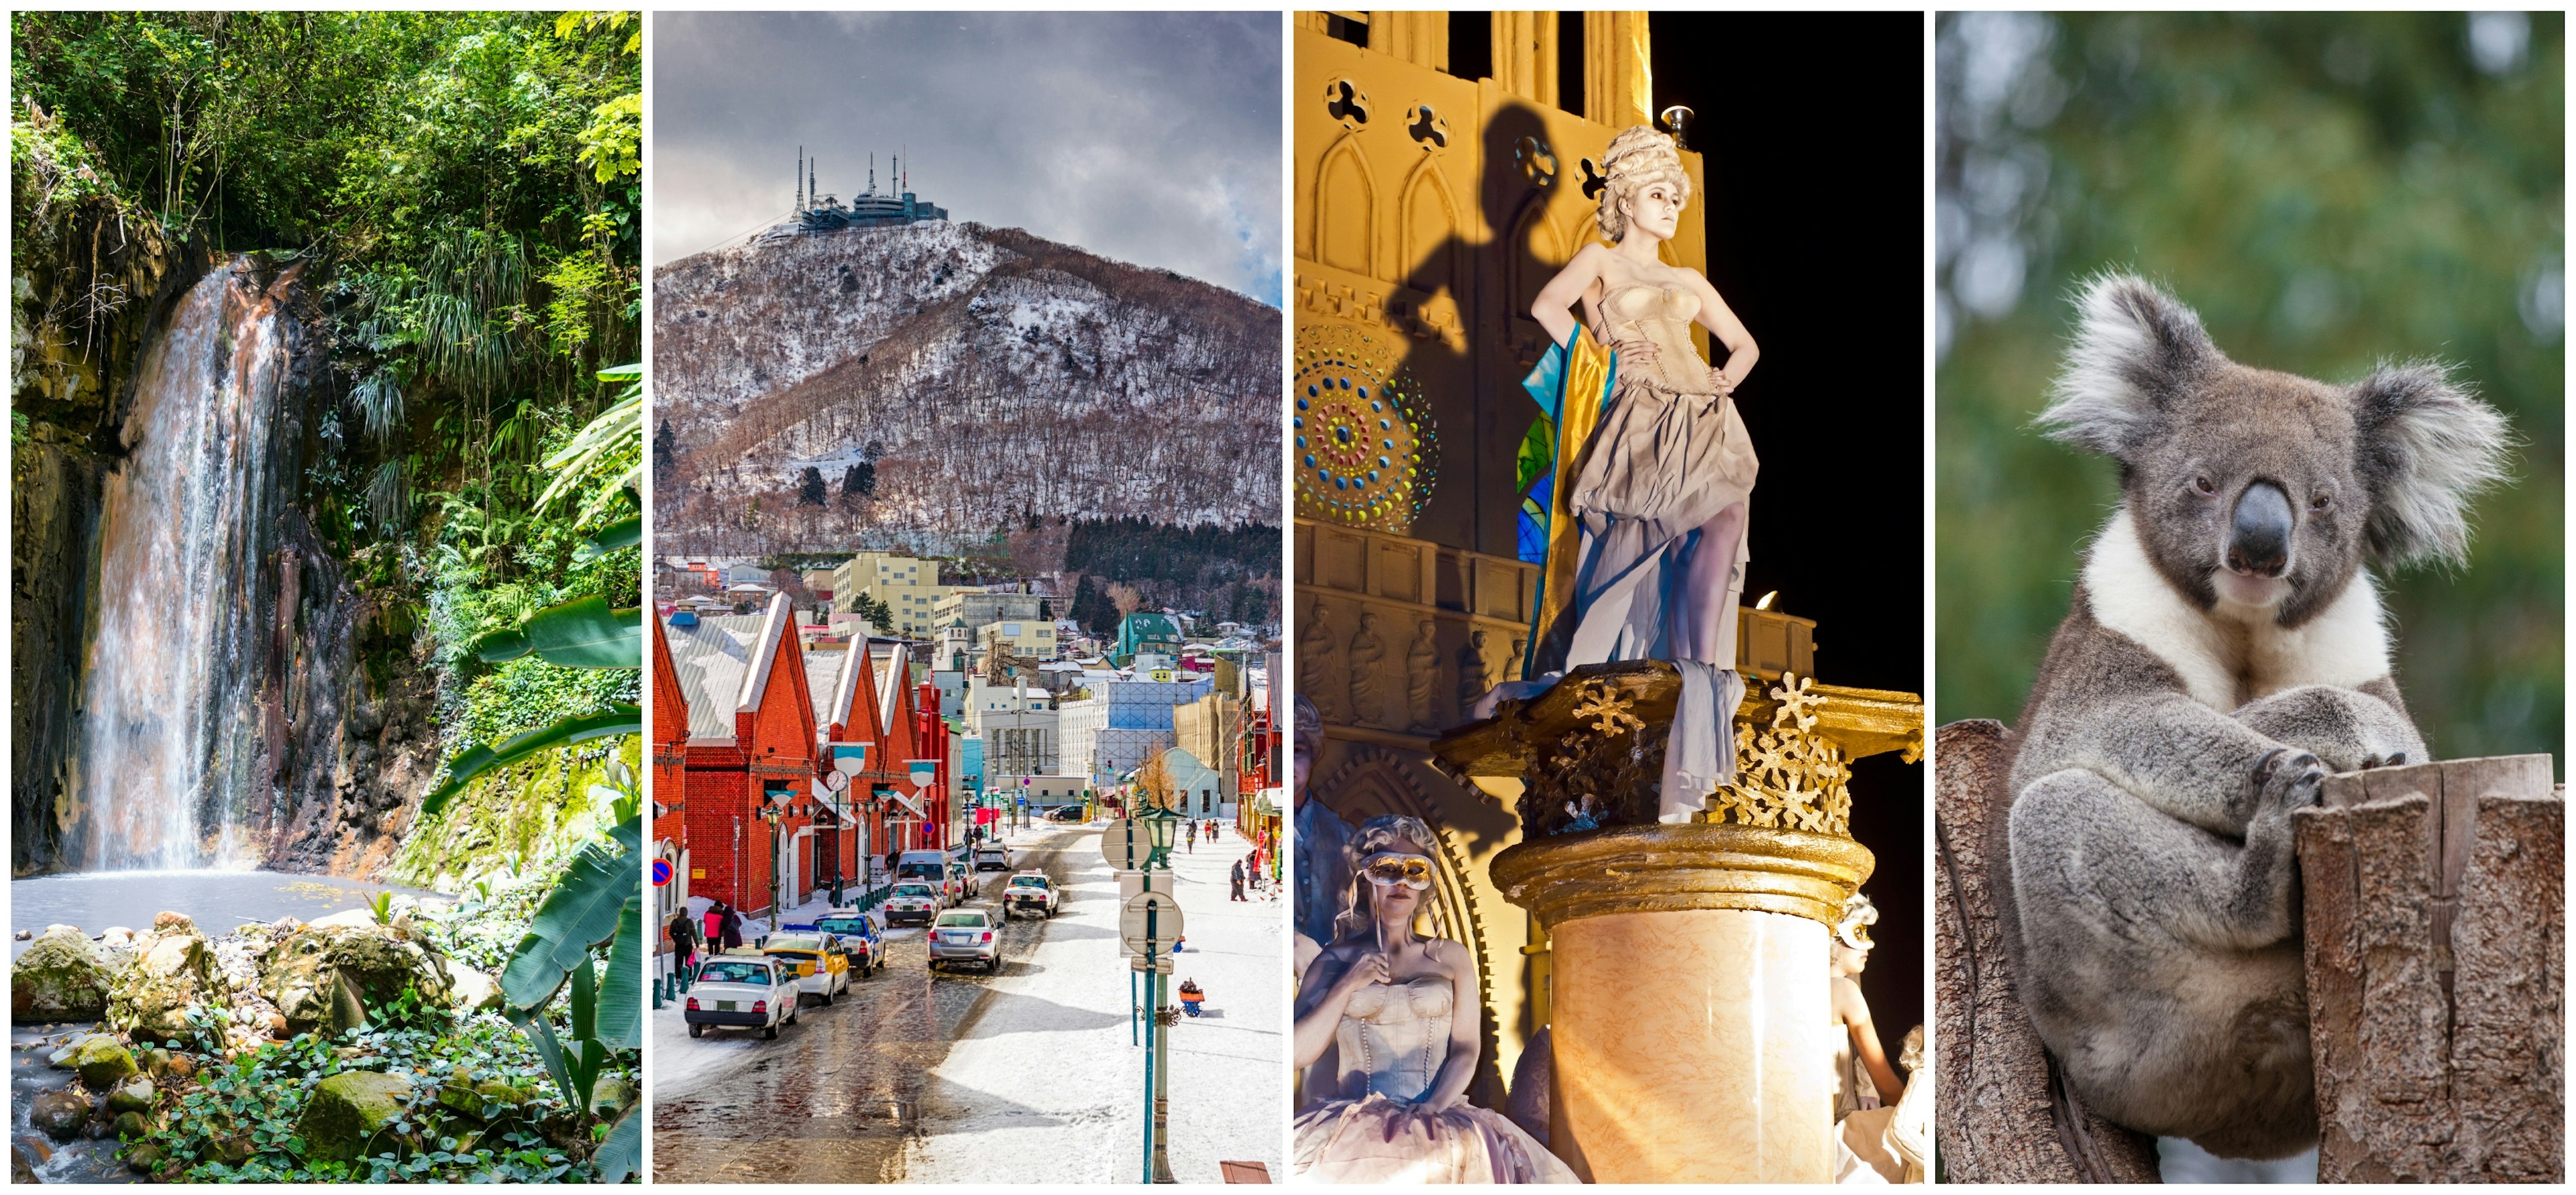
[{"x": 1161, "y": 826}]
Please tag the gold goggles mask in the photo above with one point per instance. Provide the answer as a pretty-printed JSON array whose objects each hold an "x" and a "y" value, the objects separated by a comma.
[{"x": 1390, "y": 869}]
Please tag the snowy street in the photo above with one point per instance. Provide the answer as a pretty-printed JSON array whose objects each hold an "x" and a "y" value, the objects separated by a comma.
[{"x": 1024, "y": 1076}]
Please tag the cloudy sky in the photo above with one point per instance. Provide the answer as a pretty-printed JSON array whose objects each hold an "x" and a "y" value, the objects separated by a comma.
[{"x": 1150, "y": 138}]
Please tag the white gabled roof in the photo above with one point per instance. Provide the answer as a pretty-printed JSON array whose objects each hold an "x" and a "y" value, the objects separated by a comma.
[{"x": 764, "y": 654}]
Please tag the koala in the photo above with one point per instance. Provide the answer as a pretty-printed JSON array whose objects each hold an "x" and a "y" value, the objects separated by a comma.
[{"x": 2224, "y": 651}]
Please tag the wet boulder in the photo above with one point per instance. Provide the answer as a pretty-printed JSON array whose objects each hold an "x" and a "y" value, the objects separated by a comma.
[
  {"x": 330, "y": 976},
  {"x": 60, "y": 1115},
  {"x": 134, "y": 1095},
  {"x": 63, "y": 977},
  {"x": 103, "y": 1062},
  {"x": 351, "y": 1115},
  {"x": 175, "y": 976}
]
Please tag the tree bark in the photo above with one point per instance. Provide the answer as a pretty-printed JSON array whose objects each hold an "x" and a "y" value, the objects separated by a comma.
[
  {"x": 2435, "y": 935},
  {"x": 2000, "y": 1113}
]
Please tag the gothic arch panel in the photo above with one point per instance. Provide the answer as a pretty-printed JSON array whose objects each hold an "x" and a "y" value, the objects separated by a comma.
[
  {"x": 1345, "y": 205},
  {"x": 1431, "y": 250},
  {"x": 1536, "y": 255}
]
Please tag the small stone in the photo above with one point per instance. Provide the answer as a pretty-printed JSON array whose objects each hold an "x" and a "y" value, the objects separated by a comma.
[
  {"x": 142, "y": 1157},
  {"x": 22, "y": 935},
  {"x": 134, "y": 1095},
  {"x": 611, "y": 1096},
  {"x": 60, "y": 1115},
  {"x": 155, "y": 1061},
  {"x": 131, "y": 1124},
  {"x": 21, "y": 1171},
  {"x": 182, "y": 1066},
  {"x": 167, "y": 922}
]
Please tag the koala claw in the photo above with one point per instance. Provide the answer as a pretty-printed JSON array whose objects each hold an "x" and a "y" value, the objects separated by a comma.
[{"x": 2289, "y": 778}]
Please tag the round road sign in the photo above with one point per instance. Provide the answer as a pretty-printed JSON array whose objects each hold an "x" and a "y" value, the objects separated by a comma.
[
  {"x": 1150, "y": 923},
  {"x": 1125, "y": 843},
  {"x": 661, "y": 872}
]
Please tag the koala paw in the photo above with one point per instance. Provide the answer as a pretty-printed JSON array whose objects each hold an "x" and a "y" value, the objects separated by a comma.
[
  {"x": 2288, "y": 778},
  {"x": 2393, "y": 759}
]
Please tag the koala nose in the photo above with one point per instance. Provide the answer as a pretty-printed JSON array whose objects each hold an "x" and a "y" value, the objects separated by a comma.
[{"x": 2259, "y": 542}]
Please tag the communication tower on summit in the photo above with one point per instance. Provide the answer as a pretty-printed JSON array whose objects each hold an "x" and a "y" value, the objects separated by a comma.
[{"x": 818, "y": 212}]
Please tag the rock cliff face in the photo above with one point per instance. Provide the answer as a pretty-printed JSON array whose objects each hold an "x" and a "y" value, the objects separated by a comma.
[
  {"x": 981, "y": 373},
  {"x": 87, "y": 284}
]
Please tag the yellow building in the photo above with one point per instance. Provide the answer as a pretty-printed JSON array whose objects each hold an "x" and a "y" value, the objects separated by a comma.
[
  {"x": 1430, "y": 209},
  {"x": 1027, "y": 638},
  {"x": 908, "y": 586}
]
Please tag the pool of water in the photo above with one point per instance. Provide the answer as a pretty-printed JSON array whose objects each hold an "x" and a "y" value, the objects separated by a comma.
[{"x": 216, "y": 900}]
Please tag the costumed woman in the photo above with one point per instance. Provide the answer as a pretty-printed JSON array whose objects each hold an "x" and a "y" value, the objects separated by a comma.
[
  {"x": 1646, "y": 547},
  {"x": 1866, "y": 1089},
  {"x": 1380, "y": 1010}
]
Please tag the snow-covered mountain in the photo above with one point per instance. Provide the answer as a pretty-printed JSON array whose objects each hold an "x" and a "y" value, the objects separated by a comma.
[{"x": 982, "y": 372}]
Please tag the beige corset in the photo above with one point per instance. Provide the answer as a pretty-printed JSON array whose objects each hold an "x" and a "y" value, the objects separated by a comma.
[
  {"x": 1660, "y": 316},
  {"x": 1393, "y": 1038}
]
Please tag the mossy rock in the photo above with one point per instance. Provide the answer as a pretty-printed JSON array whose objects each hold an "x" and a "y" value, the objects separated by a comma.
[
  {"x": 331, "y": 976},
  {"x": 130, "y": 1125},
  {"x": 175, "y": 975},
  {"x": 351, "y": 1116},
  {"x": 61, "y": 978},
  {"x": 102, "y": 1061}
]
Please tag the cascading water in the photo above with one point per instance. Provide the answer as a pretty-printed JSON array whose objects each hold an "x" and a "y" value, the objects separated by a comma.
[{"x": 171, "y": 744}]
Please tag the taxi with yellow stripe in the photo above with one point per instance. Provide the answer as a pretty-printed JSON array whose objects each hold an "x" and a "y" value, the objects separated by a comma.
[{"x": 816, "y": 960}]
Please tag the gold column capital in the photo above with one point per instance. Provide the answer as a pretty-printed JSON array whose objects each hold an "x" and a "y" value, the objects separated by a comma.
[{"x": 1674, "y": 868}]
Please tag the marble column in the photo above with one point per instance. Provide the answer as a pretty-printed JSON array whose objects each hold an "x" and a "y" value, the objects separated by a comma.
[{"x": 1689, "y": 1009}]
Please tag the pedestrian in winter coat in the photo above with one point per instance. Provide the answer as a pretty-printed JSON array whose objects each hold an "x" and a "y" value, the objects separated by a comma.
[
  {"x": 1238, "y": 879},
  {"x": 732, "y": 929},
  {"x": 715, "y": 926},
  {"x": 684, "y": 939}
]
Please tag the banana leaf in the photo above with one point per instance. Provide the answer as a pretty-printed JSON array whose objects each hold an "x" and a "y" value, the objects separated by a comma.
[
  {"x": 617, "y": 719},
  {"x": 620, "y": 1015},
  {"x": 624, "y": 533},
  {"x": 581, "y": 913},
  {"x": 624, "y": 1150},
  {"x": 581, "y": 633}
]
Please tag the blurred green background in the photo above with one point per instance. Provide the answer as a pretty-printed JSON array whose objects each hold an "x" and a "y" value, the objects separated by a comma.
[{"x": 2327, "y": 191}]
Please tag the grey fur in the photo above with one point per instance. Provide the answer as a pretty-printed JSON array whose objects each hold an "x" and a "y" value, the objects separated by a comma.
[{"x": 2148, "y": 875}]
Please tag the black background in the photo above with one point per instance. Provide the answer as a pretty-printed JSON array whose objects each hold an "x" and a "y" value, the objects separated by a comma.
[{"x": 1811, "y": 130}]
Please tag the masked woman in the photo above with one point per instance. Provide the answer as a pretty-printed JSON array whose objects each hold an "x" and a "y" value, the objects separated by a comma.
[
  {"x": 1384, "y": 1002},
  {"x": 1659, "y": 489}
]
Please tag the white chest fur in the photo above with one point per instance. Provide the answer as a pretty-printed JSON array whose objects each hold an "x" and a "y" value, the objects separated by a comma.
[{"x": 2231, "y": 654}]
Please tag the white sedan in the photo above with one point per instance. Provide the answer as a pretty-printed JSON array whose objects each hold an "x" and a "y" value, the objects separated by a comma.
[{"x": 746, "y": 990}]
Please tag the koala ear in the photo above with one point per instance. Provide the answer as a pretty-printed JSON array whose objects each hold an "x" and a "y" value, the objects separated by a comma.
[
  {"x": 2426, "y": 446},
  {"x": 2135, "y": 347}
]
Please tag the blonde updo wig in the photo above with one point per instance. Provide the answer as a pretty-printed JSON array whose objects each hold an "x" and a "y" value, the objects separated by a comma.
[
  {"x": 1378, "y": 835},
  {"x": 1638, "y": 158}
]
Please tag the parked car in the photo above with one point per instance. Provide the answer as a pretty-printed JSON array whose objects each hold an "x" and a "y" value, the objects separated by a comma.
[
  {"x": 914, "y": 902},
  {"x": 859, "y": 935},
  {"x": 817, "y": 961},
  {"x": 1067, "y": 813},
  {"x": 1030, "y": 892},
  {"x": 742, "y": 988},
  {"x": 992, "y": 856},
  {"x": 964, "y": 934},
  {"x": 963, "y": 879}
]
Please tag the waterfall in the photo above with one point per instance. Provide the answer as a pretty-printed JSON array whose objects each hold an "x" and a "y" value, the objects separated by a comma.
[{"x": 172, "y": 767}]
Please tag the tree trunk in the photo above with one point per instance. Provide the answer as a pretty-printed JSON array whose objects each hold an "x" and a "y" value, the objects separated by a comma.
[
  {"x": 2436, "y": 929},
  {"x": 2000, "y": 1113}
]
